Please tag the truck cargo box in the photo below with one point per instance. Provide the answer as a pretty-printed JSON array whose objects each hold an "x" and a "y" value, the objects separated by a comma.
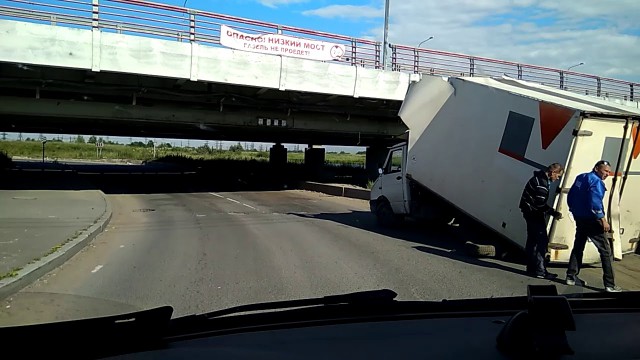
[{"x": 476, "y": 142}]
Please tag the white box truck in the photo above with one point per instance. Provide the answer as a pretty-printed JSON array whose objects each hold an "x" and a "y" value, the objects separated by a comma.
[{"x": 474, "y": 142}]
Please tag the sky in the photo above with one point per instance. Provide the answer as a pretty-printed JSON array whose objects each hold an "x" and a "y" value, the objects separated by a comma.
[{"x": 603, "y": 35}]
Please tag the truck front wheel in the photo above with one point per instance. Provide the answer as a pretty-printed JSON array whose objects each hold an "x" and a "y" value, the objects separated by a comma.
[{"x": 384, "y": 214}]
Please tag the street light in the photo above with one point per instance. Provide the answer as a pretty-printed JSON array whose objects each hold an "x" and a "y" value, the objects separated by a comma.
[
  {"x": 569, "y": 68},
  {"x": 44, "y": 141},
  {"x": 424, "y": 41},
  {"x": 417, "y": 54},
  {"x": 385, "y": 41},
  {"x": 572, "y": 66}
]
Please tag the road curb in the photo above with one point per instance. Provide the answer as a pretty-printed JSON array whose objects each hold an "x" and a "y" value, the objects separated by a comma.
[
  {"x": 336, "y": 190},
  {"x": 32, "y": 272}
]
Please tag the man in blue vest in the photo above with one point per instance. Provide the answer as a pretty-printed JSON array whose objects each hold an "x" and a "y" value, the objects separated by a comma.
[{"x": 585, "y": 202}]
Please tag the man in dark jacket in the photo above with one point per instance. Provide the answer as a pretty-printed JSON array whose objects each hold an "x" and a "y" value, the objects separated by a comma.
[
  {"x": 585, "y": 203},
  {"x": 535, "y": 208}
]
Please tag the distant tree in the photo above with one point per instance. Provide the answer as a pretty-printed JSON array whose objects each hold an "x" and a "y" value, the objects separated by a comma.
[
  {"x": 92, "y": 140},
  {"x": 100, "y": 140},
  {"x": 236, "y": 148},
  {"x": 80, "y": 139},
  {"x": 150, "y": 143}
]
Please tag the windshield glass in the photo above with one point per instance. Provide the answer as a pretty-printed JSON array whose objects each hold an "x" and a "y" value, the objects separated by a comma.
[{"x": 152, "y": 155}]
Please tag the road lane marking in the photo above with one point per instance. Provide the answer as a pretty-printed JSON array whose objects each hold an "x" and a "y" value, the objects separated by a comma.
[
  {"x": 95, "y": 270},
  {"x": 233, "y": 200},
  {"x": 200, "y": 215}
]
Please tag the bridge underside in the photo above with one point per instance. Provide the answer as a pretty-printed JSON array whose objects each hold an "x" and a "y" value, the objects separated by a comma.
[{"x": 55, "y": 100}]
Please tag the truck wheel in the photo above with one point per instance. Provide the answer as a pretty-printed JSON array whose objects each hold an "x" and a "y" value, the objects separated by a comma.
[
  {"x": 477, "y": 250},
  {"x": 384, "y": 214}
]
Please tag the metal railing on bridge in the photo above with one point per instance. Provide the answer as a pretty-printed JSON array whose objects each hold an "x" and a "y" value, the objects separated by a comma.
[{"x": 144, "y": 18}]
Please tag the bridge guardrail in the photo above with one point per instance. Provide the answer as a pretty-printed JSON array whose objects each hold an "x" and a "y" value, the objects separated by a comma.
[{"x": 145, "y": 18}]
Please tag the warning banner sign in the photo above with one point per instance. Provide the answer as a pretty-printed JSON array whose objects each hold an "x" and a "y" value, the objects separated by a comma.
[{"x": 276, "y": 44}]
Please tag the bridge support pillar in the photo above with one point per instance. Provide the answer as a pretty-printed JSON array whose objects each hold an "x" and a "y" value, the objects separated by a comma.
[
  {"x": 278, "y": 156},
  {"x": 374, "y": 159},
  {"x": 314, "y": 161}
]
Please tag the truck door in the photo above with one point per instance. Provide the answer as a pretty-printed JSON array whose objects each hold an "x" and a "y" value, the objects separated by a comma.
[
  {"x": 393, "y": 179},
  {"x": 627, "y": 189},
  {"x": 606, "y": 139}
]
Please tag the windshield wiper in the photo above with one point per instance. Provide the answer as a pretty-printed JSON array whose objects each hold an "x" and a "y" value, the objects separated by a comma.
[
  {"x": 217, "y": 321},
  {"x": 356, "y": 298}
]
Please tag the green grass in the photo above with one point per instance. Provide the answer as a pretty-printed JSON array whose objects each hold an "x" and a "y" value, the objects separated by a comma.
[
  {"x": 11, "y": 273},
  {"x": 66, "y": 151}
]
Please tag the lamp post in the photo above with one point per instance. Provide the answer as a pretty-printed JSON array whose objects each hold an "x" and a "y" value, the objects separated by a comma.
[
  {"x": 569, "y": 68},
  {"x": 417, "y": 54},
  {"x": 576, "y": 65},
  {"x": 44, "y": 141},
  {"x": 385, "y": 41},
  {"x": 424, "y": 41}
]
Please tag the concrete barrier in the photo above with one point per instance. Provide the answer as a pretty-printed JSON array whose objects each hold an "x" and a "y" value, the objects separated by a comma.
[{"x": 336, "y": 190}]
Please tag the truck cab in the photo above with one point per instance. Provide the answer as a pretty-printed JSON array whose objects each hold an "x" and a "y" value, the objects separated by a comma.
[
  {"x": 389, "y": 196},
  {"x": 396, "y": 196}
]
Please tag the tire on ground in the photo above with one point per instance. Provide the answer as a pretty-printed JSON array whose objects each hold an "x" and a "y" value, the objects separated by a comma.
[{"x": 384, "y": 214}]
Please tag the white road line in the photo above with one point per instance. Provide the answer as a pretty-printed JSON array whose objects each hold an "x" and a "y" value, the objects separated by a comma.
[
  {"x": 200, "y": 215},
  {"x": 95, "y": 270},
  {"x": 233, "y": 200}
]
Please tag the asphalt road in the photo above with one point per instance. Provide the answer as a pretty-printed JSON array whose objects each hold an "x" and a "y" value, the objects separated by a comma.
[{"x": 205, "y": 251}]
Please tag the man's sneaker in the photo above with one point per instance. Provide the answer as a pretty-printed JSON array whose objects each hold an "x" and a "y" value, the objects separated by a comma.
[
  {"x": 613, "y": 289},
  {"x": 548, "y": 276},
  {"x": 575, "y": 280}
]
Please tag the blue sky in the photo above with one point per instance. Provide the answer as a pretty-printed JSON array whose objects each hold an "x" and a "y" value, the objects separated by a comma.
[{"x": 287, "y": 13}]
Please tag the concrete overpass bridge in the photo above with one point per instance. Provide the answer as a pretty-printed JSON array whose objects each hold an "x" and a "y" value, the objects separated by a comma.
[{"x": 138, "y": 68}]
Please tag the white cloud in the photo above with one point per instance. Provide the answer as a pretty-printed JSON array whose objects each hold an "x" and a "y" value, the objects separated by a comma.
[
  {"x": 276, "y": 3},
  {"x": 549, "y": 33},
  {"x": 346, "y": 11}
]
